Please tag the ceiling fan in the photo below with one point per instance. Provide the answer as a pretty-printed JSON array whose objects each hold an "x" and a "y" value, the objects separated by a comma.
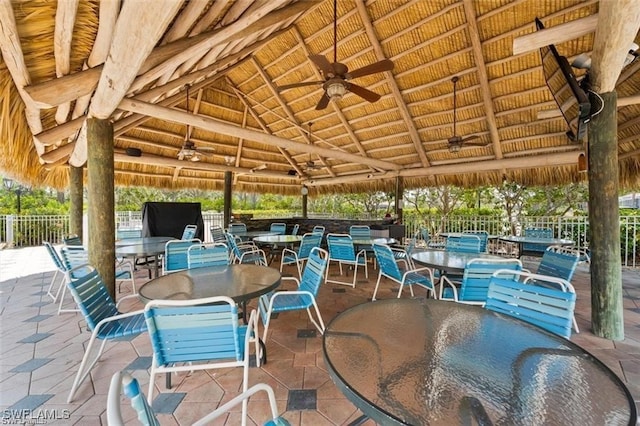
[
  {"x": 310, "y": 164},
  {"x": 455, "y": 141},
  {"x": 189, "y": 151},
  {"x": 336, "y": 75}
]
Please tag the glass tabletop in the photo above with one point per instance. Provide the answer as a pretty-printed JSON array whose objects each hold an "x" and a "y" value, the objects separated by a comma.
[
  {"x": 278, "y": 239},
  {"x": 241, "y": 282},
  {"x": 450, "y": 261},
  {"x": 412, "y": 361},
  {"x": 536, "y": 240}
]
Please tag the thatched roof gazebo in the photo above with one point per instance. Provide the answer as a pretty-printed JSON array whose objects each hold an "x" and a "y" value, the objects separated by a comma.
[
  {"x": 64, "y": 61},
  {"x": 423, "y": 92}
]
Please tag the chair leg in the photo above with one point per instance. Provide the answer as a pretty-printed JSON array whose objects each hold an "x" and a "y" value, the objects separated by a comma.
[
  {"x": 575, "y": 324},
  {"x": 152, "y": 380},
  {"x": 375, "y": 291},
  {"x": 64, "y": 292},
  {"x": 320, "y": 326},
  {"x": 51, "y": 286},
  {"x": 82, "y": 372}
]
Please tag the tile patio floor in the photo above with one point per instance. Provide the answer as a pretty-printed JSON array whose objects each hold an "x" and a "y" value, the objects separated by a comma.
[{"x": 40, "y": 352}]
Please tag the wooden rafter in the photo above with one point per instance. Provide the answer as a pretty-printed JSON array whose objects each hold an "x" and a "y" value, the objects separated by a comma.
[
  {"x": 62, "y": 37},
  {"x": 402, "y": 106}
]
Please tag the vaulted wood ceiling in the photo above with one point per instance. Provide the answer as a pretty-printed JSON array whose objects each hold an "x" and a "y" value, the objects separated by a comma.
[{"x": 132, "y": 62}]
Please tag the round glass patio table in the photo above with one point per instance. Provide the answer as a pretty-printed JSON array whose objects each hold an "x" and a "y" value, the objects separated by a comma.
[
  {"x": 143, "y": 247},
  {"x": 247, "y": 235},
  {"x": 277, "y": 239},
  {"x": 142, "y": 240},
  {"x": 241, "y": 282},
  {"x": 448, "y": 261},
  {"x": 424, "y": 361}
]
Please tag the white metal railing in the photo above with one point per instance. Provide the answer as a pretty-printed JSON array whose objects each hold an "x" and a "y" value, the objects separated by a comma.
[{"x": 31, "y": 230}]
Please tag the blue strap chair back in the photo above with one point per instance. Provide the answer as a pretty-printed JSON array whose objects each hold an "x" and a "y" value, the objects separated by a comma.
[
  {"x": 477, "y": 276},
  {"x": 217, "y": 234},
  {"x": 55, "y": 257},
  {"x": 123, "y": 234},
  {"x": 360, "y": 232},
  {"x": 72, "y": 240},
  {"x": 237, "y": 227},
  {"x": 175, "y": 255},
  {"x": 387, "y": 262},
  {"x": 189, "y": 232},
  {"x": 93, "y": 299},
  {"x": 202, "y": 255},
  {"x": 73, "y": 257},
  {"x": 536, "y": 233},
  {"x": 295, "y": 229},
  {"x": 278, "y": 228},
  {"x": 313, "y": 273},
  {"x": 341, "y": 247},
  {"x": 309, "y": 241},
  {"x": 559, "y": 263},
  {"x": 318, "y": 229},
  {"x": 463, "y": 244},
  {"x": 195, "y": 332},
  {"x": 547, "y": 308},
  {"x": 484, "y": 238}
]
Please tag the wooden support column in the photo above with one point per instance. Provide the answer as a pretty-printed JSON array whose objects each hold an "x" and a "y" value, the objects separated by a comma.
[
  {"x": 305, "y": 199},
  {"x": 100, "y": 173},
  {"x": 604, "y": 222},
  {"x": 399, "y": 198},
  {"x": 76, "y": 186},
  {"x": 226, "y": 212}
]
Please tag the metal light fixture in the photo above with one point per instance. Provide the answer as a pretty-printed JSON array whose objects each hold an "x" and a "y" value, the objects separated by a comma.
[
  {"x": 336, "y": 90},
  {"x": 8, "y": 183},
  {"x": 304, "y": 190},
  {"x": 454, "y": 147}
]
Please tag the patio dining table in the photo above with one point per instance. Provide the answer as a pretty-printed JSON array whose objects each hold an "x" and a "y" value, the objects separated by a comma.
[
  {"x": 143, "y": 247},
  {"x": 540, "y": 243},
  {"x": 451, "y": 262},
  {"x": 424, "y": 361}
]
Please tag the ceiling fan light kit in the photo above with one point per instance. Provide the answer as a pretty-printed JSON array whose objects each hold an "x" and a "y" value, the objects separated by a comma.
[{"x": 336, "y": 90}]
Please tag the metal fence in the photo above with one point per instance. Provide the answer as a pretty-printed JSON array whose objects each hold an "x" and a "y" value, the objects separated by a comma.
[{"x": 27, "y": 230}]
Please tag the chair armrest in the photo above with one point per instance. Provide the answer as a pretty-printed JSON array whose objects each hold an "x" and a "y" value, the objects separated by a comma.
[
  {"x": 129, "y": 296},
  {"x": 450, "y": 284},
  {"x": 419, "y": 271},
  {"x": 118, "y": 317},
  {"x": 289, "y": 251},
  {"x": 292, "y": 279},
  {"x": 254, "y": 251}
]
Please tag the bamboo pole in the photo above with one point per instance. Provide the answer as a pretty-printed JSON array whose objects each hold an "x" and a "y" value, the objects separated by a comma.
[{"x": 76, "y": 200}]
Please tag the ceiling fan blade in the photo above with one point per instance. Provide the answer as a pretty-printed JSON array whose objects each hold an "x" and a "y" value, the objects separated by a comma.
[
  {"x": 380, "y": 66},
  {"x": 204, "y": 149},
  {"x": 363, "y": 93},
  {"x": 469, "y": 139},
  {"x": 323, "y": 102},
  {"x": 294, "y": 85},
  {"x": 323, "y": 64}
]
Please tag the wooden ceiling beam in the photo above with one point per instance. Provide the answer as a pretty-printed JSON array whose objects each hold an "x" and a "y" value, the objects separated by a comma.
[
  {"x": 213, "y": 125},
  {"x": 517, "y": 163},
  {"x": 402, "y": 106},
  {"x": 13, "y": 59},
  {"x": 62, "y": 36},
  {"x": 555, "y": 35},
  {"x": 287, "y": 110},
  {"x": 476, "y": 44}
]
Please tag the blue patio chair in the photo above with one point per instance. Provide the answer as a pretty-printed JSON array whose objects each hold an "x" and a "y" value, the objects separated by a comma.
[
  {"x": 289, "y": 256},
  {"x": 548, "y": 281},
  {"x": 73, "y": 257},
  {"x": 475, "y": 280},
  {"x": 360, "y": 232},
  {"x": 342, "y": 250},
  {"x": 318, "y": 229},
  {"x": 175, "y": 255},
  {"x": 278, "y": 228},
  {"x": 217, "y": 234},
  {"x": 72, "y": 240},
  {"x": 123, "y": 382},
  {"x": 532, "y": 248},
  {"x": 103, "y": 319},
  {"x": 202, "y": 333},
  {"x": 484, "y": 238},
  {"x": 245, "y": 252},
  {"x": 295, "y": 229},
  {"x": 189, "y": 232},
  {"x": 559, "y": 262},
  {"x": 463, "y": 243},
  {"x": 547, "y": 308},
  {"x": 237, "y": 227},
  {"x": 302, "y": 298},
  {"x": 406, "y": 277},
  {"x": 59, "y": 274},
  {"x": 404, "y": 254},
  {"x": 207, "y": 254}
]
